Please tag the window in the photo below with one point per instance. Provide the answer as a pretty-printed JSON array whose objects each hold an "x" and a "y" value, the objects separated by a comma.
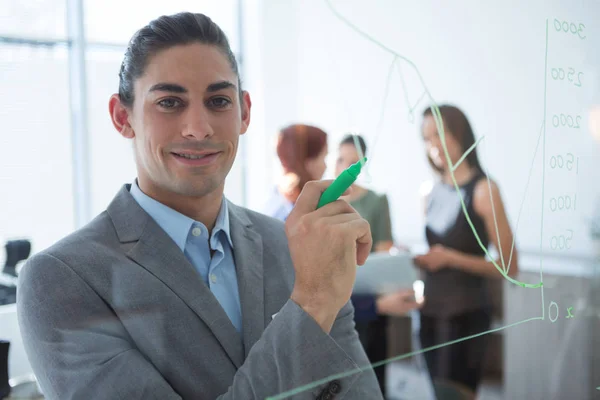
[
  {"x": 115, "y": 21},
  {"x": 33, "y": 19},
  {"x": 35, "y": 144}
]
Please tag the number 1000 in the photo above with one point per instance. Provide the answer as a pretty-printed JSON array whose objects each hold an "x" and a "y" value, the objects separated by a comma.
[{"x": 561, "y": 203}]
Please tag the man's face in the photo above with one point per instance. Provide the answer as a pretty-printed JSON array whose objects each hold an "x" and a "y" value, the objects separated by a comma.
[{"x": 186, "y": 120}]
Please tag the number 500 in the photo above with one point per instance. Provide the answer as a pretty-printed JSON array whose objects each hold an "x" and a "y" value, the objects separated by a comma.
[{"x": 561, "y": 242}]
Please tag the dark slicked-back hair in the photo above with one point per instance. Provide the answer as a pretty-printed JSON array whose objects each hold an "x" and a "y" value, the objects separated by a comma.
[{"x": 163, "y": 33}]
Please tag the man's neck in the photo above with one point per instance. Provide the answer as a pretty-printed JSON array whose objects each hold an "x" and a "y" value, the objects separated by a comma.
[{"x": 204, "y": 209}]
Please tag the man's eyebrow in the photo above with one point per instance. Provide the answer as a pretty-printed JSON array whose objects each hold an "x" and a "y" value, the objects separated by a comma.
[
  {"x": 168, "y": 87},
  {"x": 215, "y": 87}
]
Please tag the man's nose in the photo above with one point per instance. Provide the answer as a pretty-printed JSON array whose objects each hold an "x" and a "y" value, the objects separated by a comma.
[{"x": 197, "y": 124}]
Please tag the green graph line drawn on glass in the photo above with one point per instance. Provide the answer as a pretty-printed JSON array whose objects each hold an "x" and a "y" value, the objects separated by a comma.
[
  {"x": 366, "y": 172},
  {"x": 505, "y": 267},
  {"x": 346, "y": 374},
  {"x": 411, "y": 116},
  {"x": 386, "y": 93},
  {"x": 418, "y": 101},
  {"x": 525, "y": 193},
  {"x": 440, "y": 126},
  {"x": 466, "y": 154}
]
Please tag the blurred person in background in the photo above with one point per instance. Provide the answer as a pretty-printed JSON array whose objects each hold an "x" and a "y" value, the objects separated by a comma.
[
  {"x": 455, "y": 268},
  {"x": 372, "y": 312},
  {"x": 301, "y": 150}
]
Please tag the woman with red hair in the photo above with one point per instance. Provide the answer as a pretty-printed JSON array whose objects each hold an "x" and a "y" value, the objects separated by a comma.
[{"x": 301, "y": 150}]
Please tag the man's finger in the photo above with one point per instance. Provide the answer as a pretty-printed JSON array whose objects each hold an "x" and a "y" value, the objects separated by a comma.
[
  {"x": 309, "y": 197},
  {"x": 341, "y": 218},
  {"x": 335, "y": 208},
  {"x": 364, "y": 240}
]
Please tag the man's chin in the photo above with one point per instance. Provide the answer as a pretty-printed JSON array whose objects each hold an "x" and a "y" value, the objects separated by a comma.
[{"x": 199, "y": 189}]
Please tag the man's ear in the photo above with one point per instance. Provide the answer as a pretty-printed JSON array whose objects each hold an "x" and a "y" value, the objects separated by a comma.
[
  {"x": 119, "y": 115},
  {"x": 246, "y": 105}
]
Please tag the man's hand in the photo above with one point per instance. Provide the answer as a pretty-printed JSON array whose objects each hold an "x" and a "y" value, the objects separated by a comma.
[{"x": 325, "y": 246}]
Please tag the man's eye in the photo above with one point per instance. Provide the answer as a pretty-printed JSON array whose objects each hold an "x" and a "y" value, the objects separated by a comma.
[
  {"x": 219, "y": 102},
  {"x": 169, "y": 103}
]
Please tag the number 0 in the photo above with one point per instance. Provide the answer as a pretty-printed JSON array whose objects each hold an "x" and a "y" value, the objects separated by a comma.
[
  {"x": 556, "y": 24},
  {"x": 573, "y": 28}
]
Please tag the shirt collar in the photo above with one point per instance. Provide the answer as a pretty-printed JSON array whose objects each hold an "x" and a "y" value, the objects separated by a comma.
[
  {"x": 175, "y": 224},
  {"x": 222, "y": 222}
]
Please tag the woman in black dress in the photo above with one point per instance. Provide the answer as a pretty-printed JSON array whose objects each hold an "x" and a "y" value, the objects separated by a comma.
[{"x": 456, "y": 271}]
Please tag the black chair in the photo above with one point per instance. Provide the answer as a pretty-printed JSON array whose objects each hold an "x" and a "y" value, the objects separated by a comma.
[
  {"x": 4, "y": 385},
  {"x": 16, "y": 251}
]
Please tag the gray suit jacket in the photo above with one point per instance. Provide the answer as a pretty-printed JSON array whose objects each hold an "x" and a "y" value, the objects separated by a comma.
[{"x": 116, "y": 311}]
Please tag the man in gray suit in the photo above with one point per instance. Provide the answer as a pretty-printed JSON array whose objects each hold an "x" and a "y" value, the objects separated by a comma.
[{"x": 173, "y": 292}]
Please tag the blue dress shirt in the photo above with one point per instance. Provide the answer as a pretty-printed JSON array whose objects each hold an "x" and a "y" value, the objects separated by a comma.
[{"x": 218, "y": 271}]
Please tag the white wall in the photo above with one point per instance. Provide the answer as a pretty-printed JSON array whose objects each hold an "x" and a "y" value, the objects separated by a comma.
[{"x": 488, "y": 60}]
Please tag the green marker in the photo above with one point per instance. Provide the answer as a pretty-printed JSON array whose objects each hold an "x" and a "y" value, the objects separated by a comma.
[{"x": 341, "y": 183}]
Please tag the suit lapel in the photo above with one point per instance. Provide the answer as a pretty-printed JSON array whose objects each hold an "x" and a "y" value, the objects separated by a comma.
[
  {"x": 159, "y": 255},
  {"x": 248, "y": 253}
]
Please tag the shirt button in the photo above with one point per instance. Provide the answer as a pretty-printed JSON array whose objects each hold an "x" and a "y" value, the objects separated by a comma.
[
  {"x": 335, "y": 387},
  {"x": 196, "y": 231},
  {"x": 213, "y": 278}
]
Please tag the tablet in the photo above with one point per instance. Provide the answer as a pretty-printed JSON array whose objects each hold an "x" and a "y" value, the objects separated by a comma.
[{"x": 384, "y": 273}]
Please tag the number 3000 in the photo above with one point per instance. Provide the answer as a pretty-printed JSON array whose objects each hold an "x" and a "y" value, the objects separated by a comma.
[{"x": 565, "y": 26}]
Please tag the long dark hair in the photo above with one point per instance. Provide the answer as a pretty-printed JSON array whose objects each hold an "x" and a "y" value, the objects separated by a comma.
[
  {"x": 163, "y": 33},
  {"x": 456, "y": 124}
]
